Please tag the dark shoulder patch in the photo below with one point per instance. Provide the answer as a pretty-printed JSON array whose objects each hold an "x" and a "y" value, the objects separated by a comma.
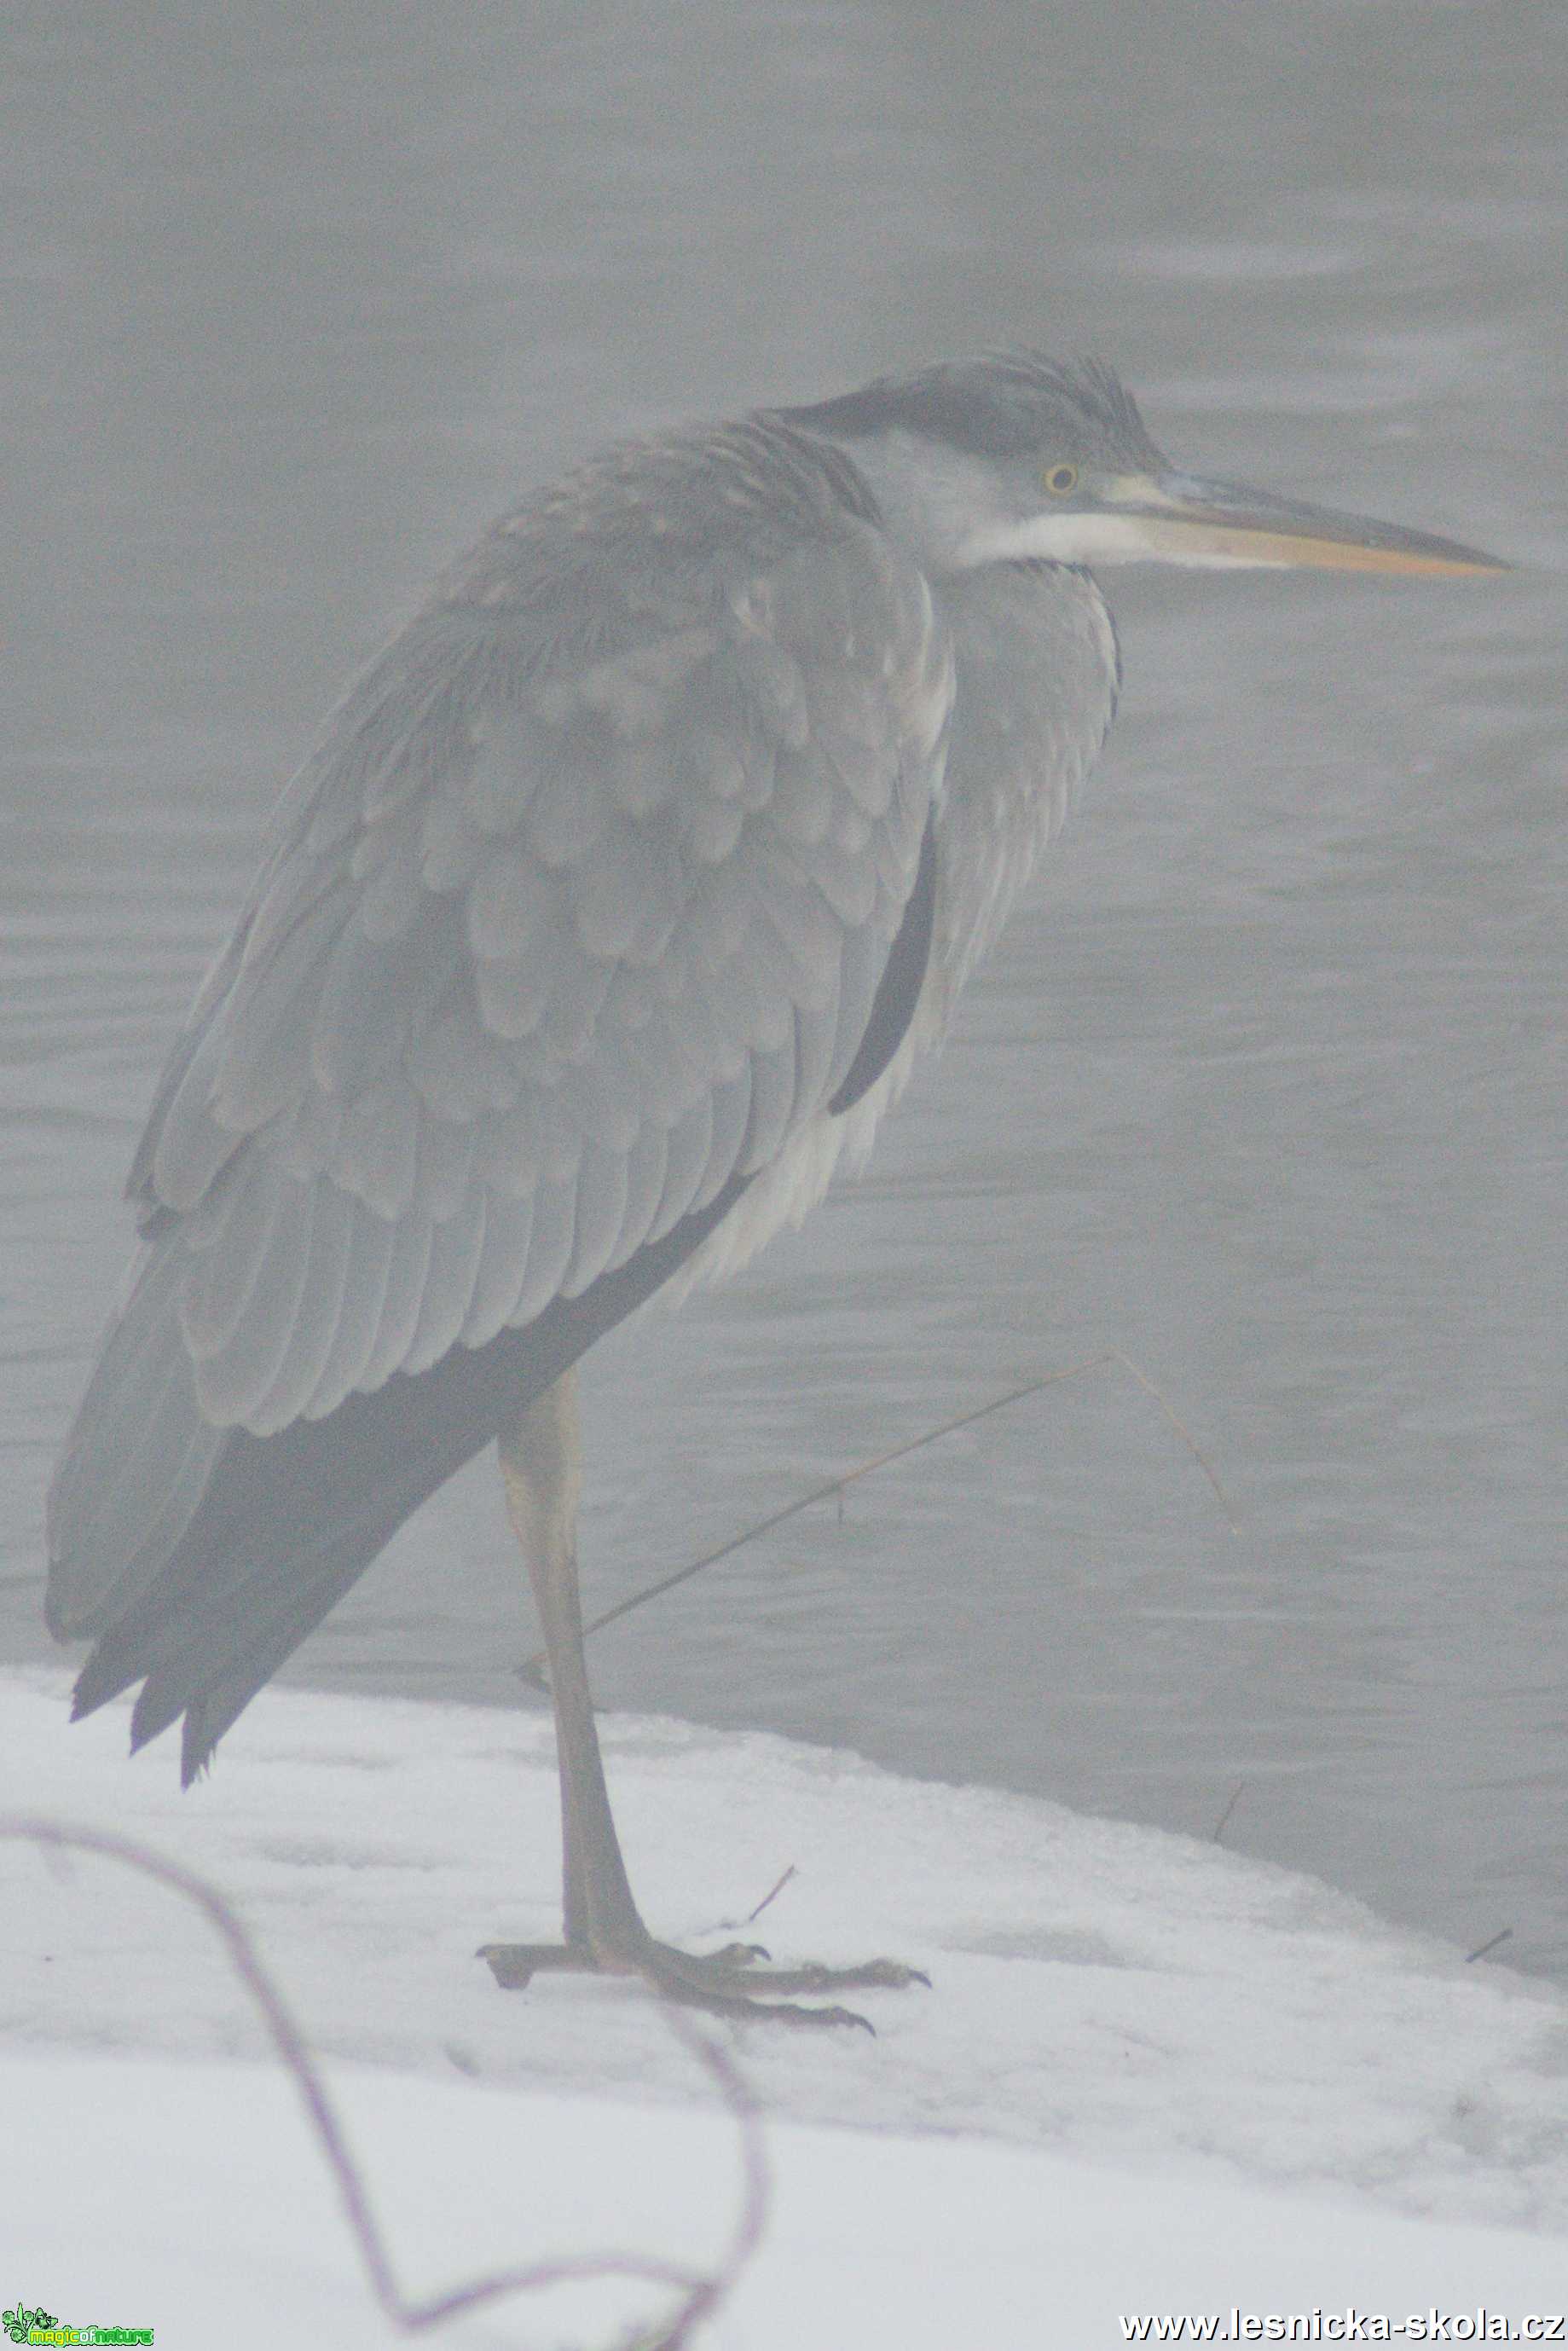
[{"x": 893, "y": 1006}]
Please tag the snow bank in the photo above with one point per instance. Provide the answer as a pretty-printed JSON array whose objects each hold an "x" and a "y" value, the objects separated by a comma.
[{"x": 1204, "y": 2083}]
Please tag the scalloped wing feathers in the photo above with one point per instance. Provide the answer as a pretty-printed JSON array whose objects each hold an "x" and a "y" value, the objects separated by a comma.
[{"x": 577, "y": 915}]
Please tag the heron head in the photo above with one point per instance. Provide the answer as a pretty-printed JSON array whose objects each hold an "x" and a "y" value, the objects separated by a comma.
[{"x": 1014, "y": 456}]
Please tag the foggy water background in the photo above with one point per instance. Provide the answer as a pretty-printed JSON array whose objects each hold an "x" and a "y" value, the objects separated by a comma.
[{"x": 1264, "y": 1087}]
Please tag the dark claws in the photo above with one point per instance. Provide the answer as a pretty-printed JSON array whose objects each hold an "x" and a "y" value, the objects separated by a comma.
[{"x": 723, "y": 1982}]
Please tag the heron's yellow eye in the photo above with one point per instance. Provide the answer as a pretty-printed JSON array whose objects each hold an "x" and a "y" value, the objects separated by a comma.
[{"x": 1061, "y": 481}]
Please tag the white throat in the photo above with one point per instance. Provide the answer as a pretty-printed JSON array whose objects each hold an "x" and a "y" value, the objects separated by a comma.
[{"x": 1102, "y": 537}]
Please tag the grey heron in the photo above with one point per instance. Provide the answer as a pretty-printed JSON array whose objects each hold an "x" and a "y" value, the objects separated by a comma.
[{"x": 607, "y": 918}]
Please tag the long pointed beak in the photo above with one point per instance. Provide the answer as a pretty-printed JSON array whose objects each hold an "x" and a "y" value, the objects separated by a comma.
[{"x": 1173, "y": 517}]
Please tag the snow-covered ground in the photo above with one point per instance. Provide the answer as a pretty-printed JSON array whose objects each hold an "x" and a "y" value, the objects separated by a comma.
[{"x": 1149, "y": 2077}]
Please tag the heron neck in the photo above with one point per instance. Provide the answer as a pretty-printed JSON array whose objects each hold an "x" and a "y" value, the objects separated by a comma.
[{"x": 927, "y": 495}]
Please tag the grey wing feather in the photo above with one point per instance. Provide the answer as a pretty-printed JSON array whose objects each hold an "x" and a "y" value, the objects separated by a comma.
[
  {"x": 364, "y": 1294},
  {"x": 412, "y": 1239},
  {"x": 321, "y": 1310},
  {"x": 498, "y": 1276},
  {"x": 111, "y": 1533},
  {"x": 457, "y": 1243},
  {"x": 578, "y": 915},
  {"x": 542, "y": 1271}
]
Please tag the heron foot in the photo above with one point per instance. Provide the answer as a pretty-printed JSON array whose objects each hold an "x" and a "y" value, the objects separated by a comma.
[{"x": 726, "y": 1983}]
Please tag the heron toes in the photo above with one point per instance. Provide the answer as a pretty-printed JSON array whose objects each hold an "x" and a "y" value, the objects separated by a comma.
[
  {"x": 734, "y": 1972},
  {"x": 869, "y": 1975},
  {"x": 727, "y": 1983}
]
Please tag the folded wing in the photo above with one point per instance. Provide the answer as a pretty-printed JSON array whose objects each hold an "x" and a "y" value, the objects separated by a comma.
[{"x": 580, "y": 913}]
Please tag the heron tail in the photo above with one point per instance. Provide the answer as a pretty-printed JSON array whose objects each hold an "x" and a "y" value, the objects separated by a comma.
[
  {"x": 200, "y": 1557},
  {"x": 208, "y": 1590}
]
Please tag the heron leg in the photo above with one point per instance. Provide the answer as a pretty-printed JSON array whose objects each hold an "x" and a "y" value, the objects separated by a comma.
[
  {"x": 541, "y": 1468},
  {"x": 541, "y": 1464}
]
